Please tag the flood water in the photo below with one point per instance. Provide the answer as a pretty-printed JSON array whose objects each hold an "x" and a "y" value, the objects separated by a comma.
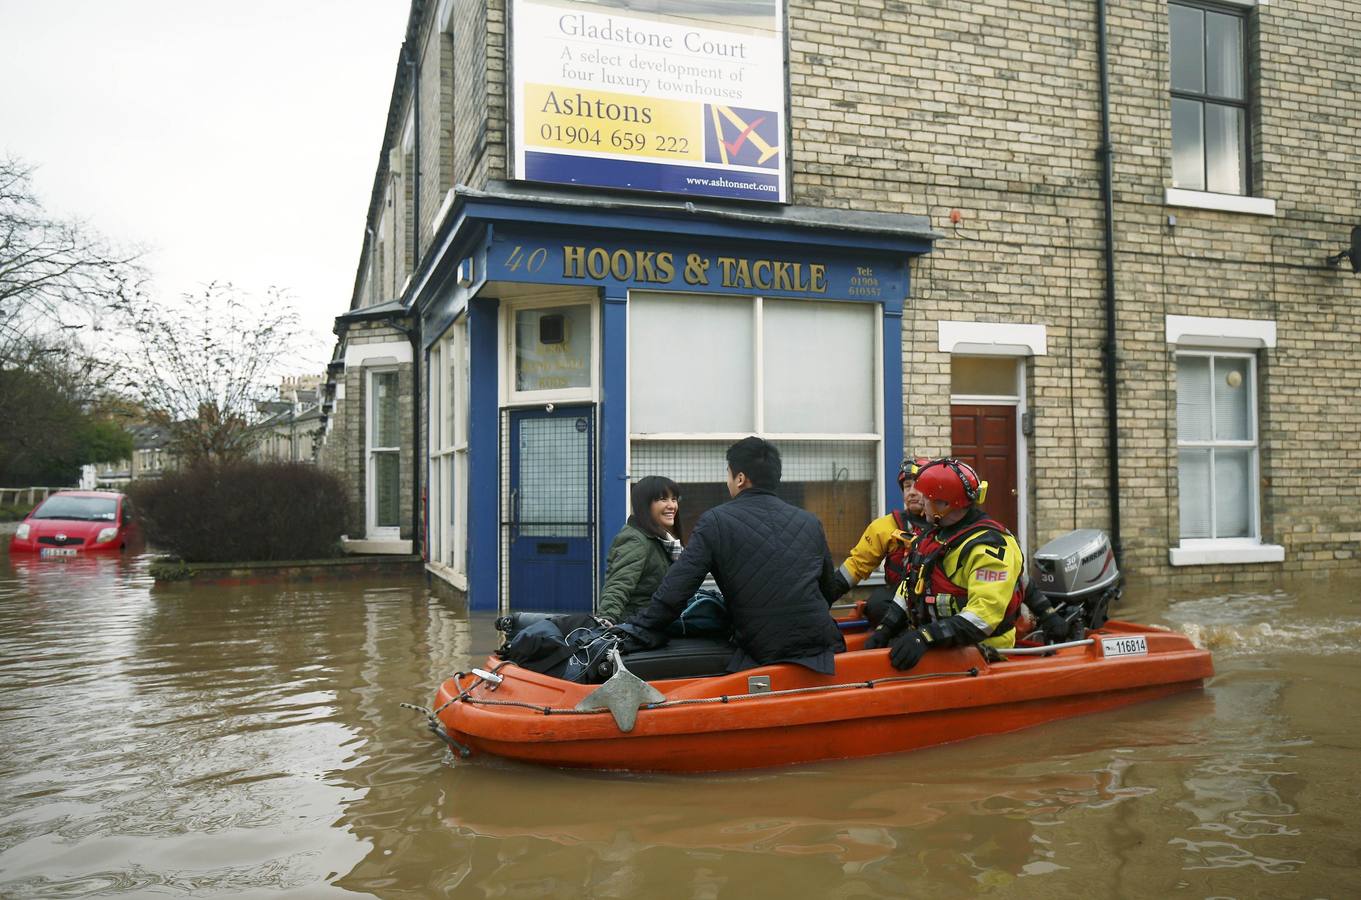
[{"x": 248, "y": 741}]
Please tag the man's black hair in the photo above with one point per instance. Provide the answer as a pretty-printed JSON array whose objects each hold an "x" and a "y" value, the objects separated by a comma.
[{"x": 758, "y": 459}]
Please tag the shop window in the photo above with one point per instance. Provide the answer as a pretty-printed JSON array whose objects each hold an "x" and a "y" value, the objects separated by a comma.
[
  {"x": 683, "y": 350},
  {"x": 706, "y": 371},
  {"x": 808, "y": 388},
  {"x": 1210, "y": 104},
  {"x": 438, "y": 435},
  {"x": 449, "y": 449},
  {"x": 553, "y": 353}
]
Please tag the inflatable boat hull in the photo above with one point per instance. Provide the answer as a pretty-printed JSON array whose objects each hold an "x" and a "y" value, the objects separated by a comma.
[{"x": 867, "y": 708}]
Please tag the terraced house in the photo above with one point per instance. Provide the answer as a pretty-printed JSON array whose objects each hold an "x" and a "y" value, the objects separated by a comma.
[{"x": 1105, "y": 250}]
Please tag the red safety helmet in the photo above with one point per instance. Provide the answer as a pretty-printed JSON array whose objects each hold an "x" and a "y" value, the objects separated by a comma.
[
  {"x": 908, "y": 469},
  {"x": 950, "y": 480}
]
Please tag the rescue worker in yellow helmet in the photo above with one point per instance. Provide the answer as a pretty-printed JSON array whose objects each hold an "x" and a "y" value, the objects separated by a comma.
[
  {"x": 964, "y": 583},
  {"x": 887, "y": 540}
]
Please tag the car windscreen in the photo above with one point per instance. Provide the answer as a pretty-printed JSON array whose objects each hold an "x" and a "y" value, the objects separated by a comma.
[{"x": 94, "y": 509}]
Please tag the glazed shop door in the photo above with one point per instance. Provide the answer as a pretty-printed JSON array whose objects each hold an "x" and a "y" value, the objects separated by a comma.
[
  {"x": 985, "y": 438},
  {"x": 549, "y": 519}
]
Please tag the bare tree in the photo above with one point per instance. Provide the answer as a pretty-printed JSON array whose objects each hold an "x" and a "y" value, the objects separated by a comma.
[
  {"x": 56, "y": 276},
  {"x": 58, "y": 282},
  {"x": 199, "y": 364}
]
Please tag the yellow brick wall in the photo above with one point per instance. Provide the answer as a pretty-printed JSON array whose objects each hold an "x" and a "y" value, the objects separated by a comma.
[{"x": 991, "y": 108}]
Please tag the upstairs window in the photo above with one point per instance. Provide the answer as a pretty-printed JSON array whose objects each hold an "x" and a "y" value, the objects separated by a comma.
[{"x": 1210, "y": 108}]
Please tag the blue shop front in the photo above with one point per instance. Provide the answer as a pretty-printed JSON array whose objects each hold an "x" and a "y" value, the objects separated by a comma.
[{"x": 575, "y": 345}]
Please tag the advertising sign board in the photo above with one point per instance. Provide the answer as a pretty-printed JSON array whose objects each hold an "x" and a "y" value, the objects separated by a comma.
[{"x": 679, "y": 96}]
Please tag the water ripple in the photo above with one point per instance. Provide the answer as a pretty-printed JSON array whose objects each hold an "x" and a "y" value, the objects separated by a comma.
[{"x": 249, "y": 740}]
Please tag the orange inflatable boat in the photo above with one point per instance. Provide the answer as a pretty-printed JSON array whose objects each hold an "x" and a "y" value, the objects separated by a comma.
[{"x": 782, "y": 714}]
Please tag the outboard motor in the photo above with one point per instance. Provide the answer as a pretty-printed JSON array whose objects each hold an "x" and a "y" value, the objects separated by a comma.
[{"x": 1077, "y": 572}]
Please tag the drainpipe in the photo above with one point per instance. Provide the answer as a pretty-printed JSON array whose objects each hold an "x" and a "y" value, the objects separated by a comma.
[{"x": 1107, "y": 153}]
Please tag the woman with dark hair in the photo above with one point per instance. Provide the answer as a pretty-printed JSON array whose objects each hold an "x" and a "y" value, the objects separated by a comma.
[{"x": 643, "y": 550}]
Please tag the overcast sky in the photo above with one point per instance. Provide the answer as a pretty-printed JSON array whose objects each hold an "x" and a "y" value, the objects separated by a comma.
[{"x": 235, "y": 140}]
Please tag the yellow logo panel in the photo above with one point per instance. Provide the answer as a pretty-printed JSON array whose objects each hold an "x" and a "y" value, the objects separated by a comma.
[{"x": 567, "y": 118}]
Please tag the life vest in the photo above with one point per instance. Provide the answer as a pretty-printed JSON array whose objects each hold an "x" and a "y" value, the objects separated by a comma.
[
  {"x": 895, "y": 563},
  {"x": 932, "y": 595}
]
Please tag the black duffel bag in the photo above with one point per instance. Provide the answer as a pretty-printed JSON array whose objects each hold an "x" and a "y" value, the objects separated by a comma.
[{"x": 571, "y": 646}]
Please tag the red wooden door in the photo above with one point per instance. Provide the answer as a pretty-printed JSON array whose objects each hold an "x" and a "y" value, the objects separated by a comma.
[{"x": 985, "y": 438}]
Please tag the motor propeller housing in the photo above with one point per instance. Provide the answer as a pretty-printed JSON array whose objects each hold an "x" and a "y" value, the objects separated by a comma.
[{"x": 1077, "y": 571}]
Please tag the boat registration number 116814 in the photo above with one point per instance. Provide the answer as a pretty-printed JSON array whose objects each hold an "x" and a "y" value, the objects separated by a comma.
[{"x": 1124, "y": 646}]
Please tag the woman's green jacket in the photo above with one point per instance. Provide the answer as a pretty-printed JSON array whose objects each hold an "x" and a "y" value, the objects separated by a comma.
[{"x": 634, "y": 568}]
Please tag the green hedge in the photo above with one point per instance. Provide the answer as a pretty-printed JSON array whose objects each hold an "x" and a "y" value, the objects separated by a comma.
[
  {"x": 15, "y": 513},
  {"x": 244, "y": 512}
]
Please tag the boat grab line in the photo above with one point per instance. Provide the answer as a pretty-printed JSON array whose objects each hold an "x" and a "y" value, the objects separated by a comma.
[
  {"x": 1046, "y": 650},
  {"x": 725, "y": 698},
  {"x": 462, "y": 691}
]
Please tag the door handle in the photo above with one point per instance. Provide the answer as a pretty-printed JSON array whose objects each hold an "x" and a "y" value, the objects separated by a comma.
[{"x": 514, "y": 513}]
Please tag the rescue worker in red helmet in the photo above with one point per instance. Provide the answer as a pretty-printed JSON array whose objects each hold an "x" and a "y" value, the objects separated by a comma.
[
  {"x": 887, "y": 540},
  {"x": 965, "y": 572}
]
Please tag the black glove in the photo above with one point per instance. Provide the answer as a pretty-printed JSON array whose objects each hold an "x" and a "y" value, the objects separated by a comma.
[
  {"x": 840, "y": 586},
  {"x": 1054, "y": 626},
  {"x": 908, "y": 650},
  {"x": 895, "y": 617},
  {"x": 632, "y": 638}
]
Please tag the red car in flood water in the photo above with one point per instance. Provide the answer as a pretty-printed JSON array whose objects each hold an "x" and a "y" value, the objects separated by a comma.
[{"x": 75, "y": 523}]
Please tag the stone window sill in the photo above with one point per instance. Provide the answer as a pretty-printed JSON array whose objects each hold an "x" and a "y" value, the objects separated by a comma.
[
  {"x": 458, "y": 580},
  {"x": 1255, "y": 206},
  {"x": 1228, "y": 552},
  {"x": 375, "y": 546}
]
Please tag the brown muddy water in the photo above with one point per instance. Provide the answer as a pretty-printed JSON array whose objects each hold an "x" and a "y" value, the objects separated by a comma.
[{"x": 249, "y": 741}]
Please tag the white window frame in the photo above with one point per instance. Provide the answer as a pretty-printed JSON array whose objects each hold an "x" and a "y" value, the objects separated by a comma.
[
  {"x": 758, "y": 405},
  {"x": 435, "y": 403},
  {"x": 449, "y": 454},
  {"x": 1247, "y": 203},
  {"x": 372, "y": 530},
  {"x": 1229, "y": 338},
  {"x": 1245, "y": 103},
  {"x": 1249, "y": 443},
  {"x": 510, "y": 396}
]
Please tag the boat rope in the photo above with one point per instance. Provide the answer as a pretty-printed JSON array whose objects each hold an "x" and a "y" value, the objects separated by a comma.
[
  {"x": 465, "y": 696},
  {"x": 437, "y": 727},
  {"x": 432, "y": 715}
]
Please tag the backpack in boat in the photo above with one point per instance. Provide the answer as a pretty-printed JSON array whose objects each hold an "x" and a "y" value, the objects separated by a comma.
[
  {"x": 572, "y": 646},
  {"x": 706, "y": 615}
]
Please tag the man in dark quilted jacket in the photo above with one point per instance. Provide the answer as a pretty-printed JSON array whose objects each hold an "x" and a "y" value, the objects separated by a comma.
[{"x": 771, "y": 562}]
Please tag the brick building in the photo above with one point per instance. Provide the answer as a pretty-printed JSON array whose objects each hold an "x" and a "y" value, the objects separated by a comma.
[
  {"x": 151, "y": 457},
  {"x": 290, "y": 427},
  {"x": 1140, "y": 333}
]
